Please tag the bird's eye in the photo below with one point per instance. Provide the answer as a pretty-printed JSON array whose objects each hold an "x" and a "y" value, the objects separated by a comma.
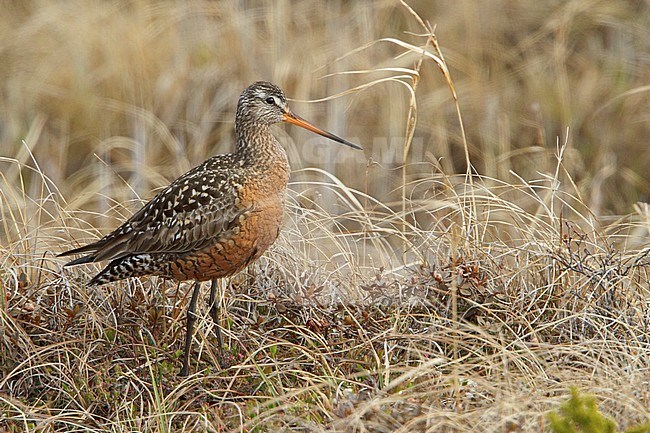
[{"x": 270, "y": 100}]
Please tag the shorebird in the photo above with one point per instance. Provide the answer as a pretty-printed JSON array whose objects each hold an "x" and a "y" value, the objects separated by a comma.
[{"x": 214, "y": 220}]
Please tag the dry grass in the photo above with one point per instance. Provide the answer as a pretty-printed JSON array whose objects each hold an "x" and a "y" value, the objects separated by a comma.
[{"x": 403, "y": 298}]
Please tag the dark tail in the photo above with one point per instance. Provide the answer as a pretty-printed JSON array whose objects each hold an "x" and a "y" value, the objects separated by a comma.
[
  {"x": 135, "y": 265},
  {"x": 90, "y": 248},
  {"x": 81, "y": 260},
  {"x": 87, "y": 258}
]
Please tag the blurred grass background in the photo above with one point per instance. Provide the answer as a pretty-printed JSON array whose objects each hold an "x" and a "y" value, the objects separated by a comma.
[{"x": 139, "y": 92}]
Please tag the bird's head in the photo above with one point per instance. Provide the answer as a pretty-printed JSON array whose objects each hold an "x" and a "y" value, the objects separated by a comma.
[{"x": 264, "y": 103}]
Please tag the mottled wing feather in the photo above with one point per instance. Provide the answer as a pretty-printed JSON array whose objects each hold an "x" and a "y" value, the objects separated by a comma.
[{"x": 190, "y": 214}]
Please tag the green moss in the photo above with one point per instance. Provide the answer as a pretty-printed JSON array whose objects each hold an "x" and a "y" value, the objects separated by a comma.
[{"x": 580, "y": 414}]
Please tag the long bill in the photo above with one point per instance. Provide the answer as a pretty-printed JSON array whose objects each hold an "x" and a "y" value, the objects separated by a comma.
[{"x": 297, "y": 120}]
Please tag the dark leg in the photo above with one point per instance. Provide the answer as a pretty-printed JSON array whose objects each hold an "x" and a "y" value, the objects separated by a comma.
[
  {"x": 215, "y": 313},
  {"x": 189, "y": 328}
]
